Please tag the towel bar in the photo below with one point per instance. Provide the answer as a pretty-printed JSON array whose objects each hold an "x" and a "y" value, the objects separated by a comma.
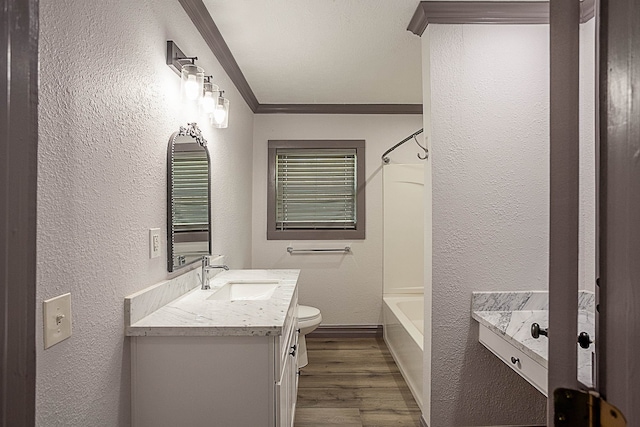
[{"x": 346, "y": 250}]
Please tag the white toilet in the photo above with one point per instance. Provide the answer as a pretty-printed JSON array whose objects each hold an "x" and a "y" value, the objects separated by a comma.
[{"x": 309, "y": 319}]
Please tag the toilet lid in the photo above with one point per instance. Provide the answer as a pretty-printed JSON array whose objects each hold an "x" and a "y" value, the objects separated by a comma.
[{"x": 306, "y": 312}]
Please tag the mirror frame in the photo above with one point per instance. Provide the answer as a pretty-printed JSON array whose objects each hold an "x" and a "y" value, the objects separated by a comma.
[{"x": 192, "y": 130}]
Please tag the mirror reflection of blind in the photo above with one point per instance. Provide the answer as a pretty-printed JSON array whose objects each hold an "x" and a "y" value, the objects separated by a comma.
[
  {"x": 315, "y": 189},
  {"x": 190, "y": 191}
]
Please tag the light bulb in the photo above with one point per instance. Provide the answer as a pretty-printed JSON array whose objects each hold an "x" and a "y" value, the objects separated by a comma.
[
  {"x": 208, "y": 103},
  {"x": 191, "y": 88},
  {"x": 219, "y": 114}
]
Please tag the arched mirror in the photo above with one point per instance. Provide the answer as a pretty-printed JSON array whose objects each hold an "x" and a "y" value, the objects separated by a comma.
[{"x": 188, "y": 198}]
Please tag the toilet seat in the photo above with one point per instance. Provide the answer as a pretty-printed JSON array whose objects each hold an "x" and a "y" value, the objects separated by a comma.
[
  {"x": 307, "y": 313},
  {"x": 308, "y": 317}
]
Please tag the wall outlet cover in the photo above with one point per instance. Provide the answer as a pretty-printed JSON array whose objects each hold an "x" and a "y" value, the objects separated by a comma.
[
  {"x": 57, "y": 319},
  {"x": 154, "y": 242}
]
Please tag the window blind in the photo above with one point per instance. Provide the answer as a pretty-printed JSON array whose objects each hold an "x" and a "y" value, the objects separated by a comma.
[
  {"x": 316, "y": 189},
  {"x": 190, "y": 186}
]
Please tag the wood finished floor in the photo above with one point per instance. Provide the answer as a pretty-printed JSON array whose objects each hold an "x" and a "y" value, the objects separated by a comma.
[{"x": 353, "y": 382}]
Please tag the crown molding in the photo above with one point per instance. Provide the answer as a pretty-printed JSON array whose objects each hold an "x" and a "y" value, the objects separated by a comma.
[
  {"x": 339, "y": 109},
  {"x": 199, "y": 14},
  {"x": 209, "y": 31},
  {"x": 487, "y": 12}
]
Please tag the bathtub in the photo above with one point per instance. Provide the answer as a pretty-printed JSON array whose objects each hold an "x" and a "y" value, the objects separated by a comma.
[{"x": 403, "y": 317}]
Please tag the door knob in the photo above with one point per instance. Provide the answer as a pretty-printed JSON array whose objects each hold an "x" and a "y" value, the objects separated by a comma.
[
  {"x": 584, "y": 340},
  {"x": 536, "y": 331}
]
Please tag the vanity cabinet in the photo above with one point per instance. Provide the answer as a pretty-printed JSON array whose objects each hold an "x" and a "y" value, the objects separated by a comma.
[
  {"x": 517, "y": 360},
  {"x": 240, "y": 380}
]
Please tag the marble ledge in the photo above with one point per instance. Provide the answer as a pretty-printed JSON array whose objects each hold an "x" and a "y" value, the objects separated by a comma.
[
  {"x": 511, "y": 314},
  {"x": 192, "y": 314}
]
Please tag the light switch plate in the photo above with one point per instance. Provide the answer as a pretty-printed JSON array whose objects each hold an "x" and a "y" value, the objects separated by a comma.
[
  {"x": 57, "y": 319},
  {"x": 154, "y": 242}
]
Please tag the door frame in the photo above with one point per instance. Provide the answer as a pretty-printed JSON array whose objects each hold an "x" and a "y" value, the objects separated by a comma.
[
  {"x": 564, "y": 27},
  {"x": 617, "y": 343},
  {"x": 618, "y": 202},
  {"x": 18, "y": 197}
]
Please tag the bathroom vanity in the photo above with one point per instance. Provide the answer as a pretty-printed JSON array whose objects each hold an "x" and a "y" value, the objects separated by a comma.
[
  {"x": 225, "y": 356},
  {"x": 505, "y": 328}
]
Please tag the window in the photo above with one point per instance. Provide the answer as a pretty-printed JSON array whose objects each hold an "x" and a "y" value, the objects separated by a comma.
[{"x": 316, "y": 190}]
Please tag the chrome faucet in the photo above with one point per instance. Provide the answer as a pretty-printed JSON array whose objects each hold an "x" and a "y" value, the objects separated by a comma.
[{"x": 206, "y": 267}]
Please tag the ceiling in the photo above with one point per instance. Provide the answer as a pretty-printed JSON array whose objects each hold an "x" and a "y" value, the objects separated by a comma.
[{"x": 324, "y": 51}]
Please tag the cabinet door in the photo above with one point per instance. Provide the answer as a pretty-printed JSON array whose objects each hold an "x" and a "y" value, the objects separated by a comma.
[
  {"x": 287, "y": 387},
  {"x": 291, "y": 372}
]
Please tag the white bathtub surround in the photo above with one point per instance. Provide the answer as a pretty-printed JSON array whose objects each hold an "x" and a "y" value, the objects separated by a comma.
[
  {"x": 403, "y": 223},
  {"x": 511, "y": 314},
  {"x": 404, "y": 271},
  {"x": 194, "y": 315},
  {"x": 404, "y": 335}
]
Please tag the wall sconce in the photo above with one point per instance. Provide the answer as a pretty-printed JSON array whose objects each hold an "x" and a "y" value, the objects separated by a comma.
[
  {"x": 220, "y": 116},
  {"x": 197, "y": 91}
]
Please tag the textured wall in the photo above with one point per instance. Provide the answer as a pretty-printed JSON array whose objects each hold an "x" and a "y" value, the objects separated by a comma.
[
  {"x": 490, "y": 108},
  {"x": 108, "y": 105},
  {"x": 428, "y": 226},
  {"x": 347, "y": 289}
]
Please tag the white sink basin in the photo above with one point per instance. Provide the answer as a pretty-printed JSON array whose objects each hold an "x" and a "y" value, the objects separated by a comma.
[{"x": 248, "y": 290}]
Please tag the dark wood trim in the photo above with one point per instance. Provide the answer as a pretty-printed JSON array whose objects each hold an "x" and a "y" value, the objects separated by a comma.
[
  {"x": 486, "y": 12},
  {"x": 419, "y": 21},
  {"x": 339, "y": 109},
  {"x": 617, "y": 343},
  {"x": 564, "y": 196},
  {"x": 347, "y": 331},
  {"x": 491, "y": 12},
  {"x": 19, "y": 22},
  {"x": 358, "y": 233},
  {"x": 202, "y": 20}
]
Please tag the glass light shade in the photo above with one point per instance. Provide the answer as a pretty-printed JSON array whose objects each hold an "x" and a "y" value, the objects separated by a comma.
[
  {"x": 209, "y": 98},
  {"x": 191, "y": 83},
  {"x": 220, "y": 115}
]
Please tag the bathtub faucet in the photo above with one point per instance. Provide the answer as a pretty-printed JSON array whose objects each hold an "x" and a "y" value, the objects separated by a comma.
[{"x": 204, "y": 285}]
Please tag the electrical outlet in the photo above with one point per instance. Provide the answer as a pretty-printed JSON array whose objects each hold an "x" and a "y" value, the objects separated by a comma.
[
  {"x": 57, "y": 319},
  {"x": 154, "y": 242}
]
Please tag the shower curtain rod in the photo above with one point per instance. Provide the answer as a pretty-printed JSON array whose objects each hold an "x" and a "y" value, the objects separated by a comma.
[{"x": 385, "y": 159}]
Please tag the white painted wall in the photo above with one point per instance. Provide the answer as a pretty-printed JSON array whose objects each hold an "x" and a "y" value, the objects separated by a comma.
[
  {"x": 489, "y": 93},
  {"x": 428, "y": 226},
  {"x": 346, "y": 288},
  {"x": 108, "y": 105},
  {"x": 489, "y": 122}
]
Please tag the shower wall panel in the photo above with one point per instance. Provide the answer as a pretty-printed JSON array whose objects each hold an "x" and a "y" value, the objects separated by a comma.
[{"x": 403, "y": 201}]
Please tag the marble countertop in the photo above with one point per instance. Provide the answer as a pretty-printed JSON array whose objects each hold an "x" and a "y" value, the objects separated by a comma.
[
  {"x": 192, "y": 314},
  {"x": 511, "y": 314}
]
